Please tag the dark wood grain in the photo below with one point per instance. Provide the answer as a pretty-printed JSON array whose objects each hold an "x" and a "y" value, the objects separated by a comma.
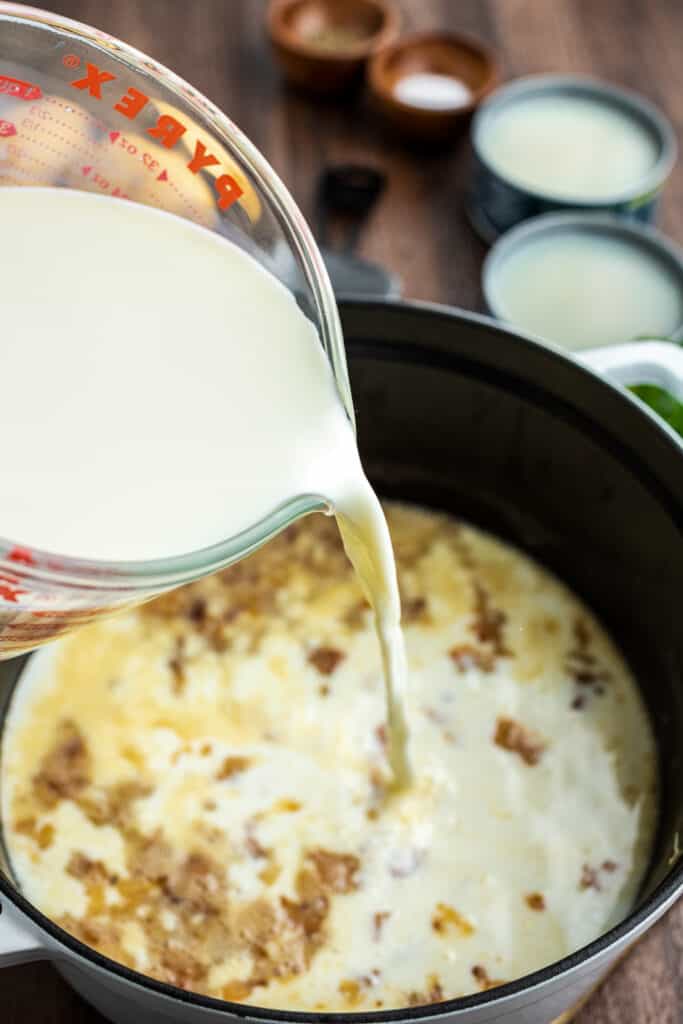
[{"x": 419, "y": 231}]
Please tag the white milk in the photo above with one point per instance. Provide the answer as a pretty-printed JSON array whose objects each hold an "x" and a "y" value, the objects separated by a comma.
[
  {"x": 162, "y": 392},
  {"x": 572, "y": 147},
  {"x": 581, "y": 290}
]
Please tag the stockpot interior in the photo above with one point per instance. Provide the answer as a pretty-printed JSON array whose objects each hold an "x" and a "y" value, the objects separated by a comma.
[{"x": 457, "y": 413}]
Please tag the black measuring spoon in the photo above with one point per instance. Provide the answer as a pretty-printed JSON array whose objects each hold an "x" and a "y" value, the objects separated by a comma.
[{"x": 346, "y": 194}]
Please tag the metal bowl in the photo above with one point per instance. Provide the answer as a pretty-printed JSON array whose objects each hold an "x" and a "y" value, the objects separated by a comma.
[
  {"x": 660, "y": 249},
  {"x": 496, "y": 203}
]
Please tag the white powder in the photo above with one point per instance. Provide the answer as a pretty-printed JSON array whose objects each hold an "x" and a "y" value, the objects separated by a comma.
[{"x": 432, "y": 92}]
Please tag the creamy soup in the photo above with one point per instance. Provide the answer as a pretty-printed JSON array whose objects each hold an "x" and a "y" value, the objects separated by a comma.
[{"x": 199, "y": 788}]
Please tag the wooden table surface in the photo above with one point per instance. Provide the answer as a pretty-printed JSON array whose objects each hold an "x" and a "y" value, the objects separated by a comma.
[{"x": 420, "y": 232}]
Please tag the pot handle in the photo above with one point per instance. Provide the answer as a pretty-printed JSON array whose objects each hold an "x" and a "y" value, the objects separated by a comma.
[
  {"x": 639, "y": 362},
  {"x": 18, "y": 943}
]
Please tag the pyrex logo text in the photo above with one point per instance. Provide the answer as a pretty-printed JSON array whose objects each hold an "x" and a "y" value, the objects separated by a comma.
[{"x": 168, "y": 130}]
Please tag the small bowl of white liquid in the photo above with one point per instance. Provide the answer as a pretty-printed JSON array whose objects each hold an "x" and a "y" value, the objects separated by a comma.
[
  {"x": 557, "y": 143},
  {"x": 586, "y": 280}
]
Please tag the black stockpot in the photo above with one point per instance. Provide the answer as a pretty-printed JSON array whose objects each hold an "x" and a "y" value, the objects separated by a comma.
[{"x": 458, "y": 413}]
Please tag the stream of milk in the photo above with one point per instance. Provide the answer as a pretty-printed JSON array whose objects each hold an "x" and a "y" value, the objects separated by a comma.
[{"x": 163, "y": 392}]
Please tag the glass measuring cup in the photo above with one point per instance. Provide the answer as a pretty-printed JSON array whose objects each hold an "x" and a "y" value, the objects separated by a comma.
[{"x": 82, "y": 110}]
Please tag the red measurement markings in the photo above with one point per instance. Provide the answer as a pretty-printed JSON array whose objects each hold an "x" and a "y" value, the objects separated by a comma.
[
  {"x": 39, "y": 112},
  {"x": 71, "y": 134},
  {"x": 39, "y": 139},
  {"x": 154, "y": 166},
  {"x": 75, "y": 112},
  {"x": 21, "y": 157},
  {"x": 21, "y": 174},
  {"x": 18, "y": 89},
  {"x": 22, "y": 555},
  {"x": 7, "y": 129},
  {"x": 70, "y": 60},
  {"x": 104, "y": 183},
  {"x": 199, "y": 215},
  {"x": 149, "y": 161},
  {"x": 10, "y": 589},
  {"x": 43, "y": 131},
  {"x": 39, "y": 125}
]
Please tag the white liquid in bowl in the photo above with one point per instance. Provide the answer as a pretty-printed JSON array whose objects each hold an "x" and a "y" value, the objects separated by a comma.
[
  {"x": 582, "y": 290},
  {"x": 568, "y": 146}
]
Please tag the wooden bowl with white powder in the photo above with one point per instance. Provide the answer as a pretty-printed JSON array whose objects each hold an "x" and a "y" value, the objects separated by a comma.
[{"x": 428, "y": 83}]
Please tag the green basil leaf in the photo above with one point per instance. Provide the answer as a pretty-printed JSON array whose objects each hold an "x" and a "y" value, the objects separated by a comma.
[{"x": 663, "y": 403}]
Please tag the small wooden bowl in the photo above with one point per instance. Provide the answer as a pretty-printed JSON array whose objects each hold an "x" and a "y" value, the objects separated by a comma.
[
  {"x": 323, "y": 45},
  {"x": 440, "y": 53}
]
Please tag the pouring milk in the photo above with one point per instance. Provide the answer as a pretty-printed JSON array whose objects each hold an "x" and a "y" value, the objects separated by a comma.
[{"x": 162, "y": 392}]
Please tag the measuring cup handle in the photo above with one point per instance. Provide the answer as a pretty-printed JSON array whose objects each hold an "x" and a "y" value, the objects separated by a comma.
[
  {"x": 19, "y": 943},
  {"x": 639, "y": 362}
]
